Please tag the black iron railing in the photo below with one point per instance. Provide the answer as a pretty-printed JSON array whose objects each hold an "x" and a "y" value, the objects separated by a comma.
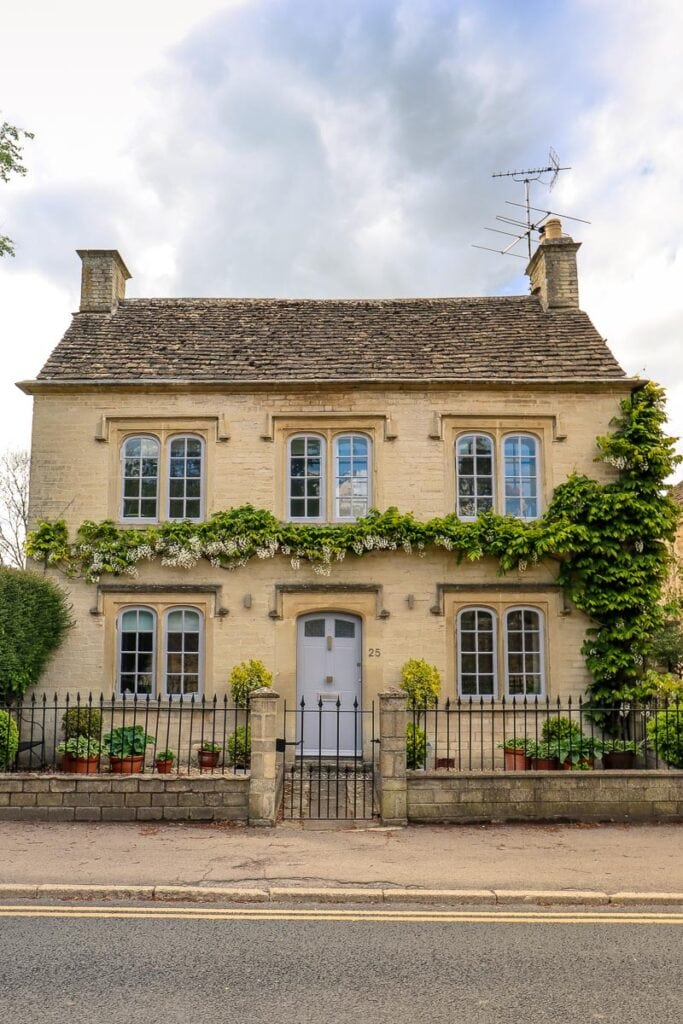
[
  {"x": 473, "y": 734},
  {"x": 171, "y": 735}
]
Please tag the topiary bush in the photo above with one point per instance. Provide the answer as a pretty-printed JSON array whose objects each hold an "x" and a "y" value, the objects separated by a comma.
[
  {"x": 416, "y": 747},
  {"x": 421, "y": 682},
  {"x": 34, "y": 619},
  {"x": 82, "y": 720},
  {"x": 665, "y": 733},
  {"x": 239, "y": 747},
  {"x": 246, "y": 677},
  {"x": 9, "y": 741}
]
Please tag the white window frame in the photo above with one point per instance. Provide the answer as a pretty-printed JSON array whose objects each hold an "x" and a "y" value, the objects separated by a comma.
[
  {"x": 351, "y": 436},
  {"x": 322, "y": 517},
  {"x": 494, "y": 651},
  {"x": 521, "y": 434},
  {"x": 123, "y": 478},
  {"x": 169, "y": 444},
  {"x": 474, "y": 434},
  {"x": 542, "y": 642},
  {"x": 165, "y": 653},
  {"x": 119, "y": 650}
]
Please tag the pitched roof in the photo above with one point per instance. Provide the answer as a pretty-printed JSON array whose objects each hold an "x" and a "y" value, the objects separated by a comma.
[{"x": 262, "y": 340}]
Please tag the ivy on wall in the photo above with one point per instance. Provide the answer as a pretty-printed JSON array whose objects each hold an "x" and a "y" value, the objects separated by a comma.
[{"x": 610, "y": 542}]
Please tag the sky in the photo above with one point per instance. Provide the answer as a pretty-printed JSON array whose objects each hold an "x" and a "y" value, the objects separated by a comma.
[{"x": 340, "y": 148}]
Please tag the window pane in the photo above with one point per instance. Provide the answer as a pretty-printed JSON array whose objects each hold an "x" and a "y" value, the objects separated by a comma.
[
  {"x": 342, "y": 628},
  {"x": 133, "y": 448},
  {"x": 183, "y": 626},
  {"x": 521, "y": 476},
  {"x": 524, "y": 645},
  {"x": 476, "y": 652},
  {"x": 314, "y": 627},
  {"x": 298, "y": 446},
  {"x": 474, "y": 475},
  {"x": 352, "y": 476}
]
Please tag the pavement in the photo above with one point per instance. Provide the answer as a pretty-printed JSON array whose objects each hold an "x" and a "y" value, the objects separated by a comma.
[{"x": 492, "y": 864}]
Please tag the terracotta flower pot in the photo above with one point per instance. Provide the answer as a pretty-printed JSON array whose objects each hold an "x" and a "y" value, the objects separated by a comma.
[
  {"x": 80, "y": 765},
  {"x": 516, "y": 760},
  {"x": 545, "y": 764},
  {"x": 614, "y": 760},
  {"x": 131, "y": 765},
  {"x": 164, "y": 767},
  {"x": 207, "y": 758}
]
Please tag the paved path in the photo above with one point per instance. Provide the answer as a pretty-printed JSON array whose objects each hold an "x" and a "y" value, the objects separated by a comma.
[{"x": 609, "y": 858}]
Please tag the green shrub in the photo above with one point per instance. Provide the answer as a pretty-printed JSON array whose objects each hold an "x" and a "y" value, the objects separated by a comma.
[
  {"x": 665, "y": 733},
  {"x": 239, "y": 747},
  {"x": 165, "y": 755},
  {"x": 209, "y": 747},
  {"x": 421, "y": 682},
  {"x": 9, "y": 741},
  {"x": 34, "y": 619},
  {"x": 82, "y": 720},
  {"x": 126, "y": 741},
  {"x": 80, "y": 746},
  {"x": 416, "y": 746},
  {"x": 561, "y": 730},
  {"x": 246, "y": 677}
]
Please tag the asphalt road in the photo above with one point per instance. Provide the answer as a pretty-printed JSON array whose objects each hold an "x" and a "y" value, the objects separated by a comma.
[{"x": 166, "y": 964}]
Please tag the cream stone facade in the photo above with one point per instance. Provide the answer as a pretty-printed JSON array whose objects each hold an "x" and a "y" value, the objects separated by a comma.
[{"x": 407, "y": 605}]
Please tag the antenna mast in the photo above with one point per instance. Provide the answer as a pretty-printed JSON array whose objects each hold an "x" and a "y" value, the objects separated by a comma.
[{"x": 528, "y": 225}]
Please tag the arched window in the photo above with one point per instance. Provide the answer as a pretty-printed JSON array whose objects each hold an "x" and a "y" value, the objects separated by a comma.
[
  {"x": 136, "y": 651},
  {"x": 474, "y": 475},
  {"x": 140, "y": 478},
  {"x": 352, "y": 497},
  {"x": 476, "y": 647},
  {"x": 524, "y": 652},
  {"x": 520, "y": 457},
  {"x": 305, "y": 477},
  {"x": 183, "y": 629},
  {"x": 185, "y": 474}
]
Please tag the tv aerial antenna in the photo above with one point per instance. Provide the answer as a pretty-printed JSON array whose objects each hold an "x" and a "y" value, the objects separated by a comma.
[{"x": 547, "y": 175}]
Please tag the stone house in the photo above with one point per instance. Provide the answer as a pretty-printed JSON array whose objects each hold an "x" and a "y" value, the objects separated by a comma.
[{"x": 157, "y": 409}]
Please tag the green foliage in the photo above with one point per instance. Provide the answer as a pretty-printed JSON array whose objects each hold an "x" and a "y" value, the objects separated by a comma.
[
  {"x": 10, "y": 163},
  {"x": 82, "y": 720},
  {"x": 80, "y": 745},
  {"x": 610, "y": 542},
  {"x": 421, "y": 682},
  {"x": 665, "y": 733},
  {"x": 667, "y": 647},
  {"x": 9, "y": 741},
  {"x": 561, "y": 730},
  {"x": 34, "y": 619},
  {"x": 165, "y": 755},
  {"x": 516, "y": 743},
  {"x": 209, "y": 747},
  {"x": 246, "y": 677},
  {"x": 416, "y": 746},
  {"x": 239, "y": 747},
  {"x": 126, "y": 741}
]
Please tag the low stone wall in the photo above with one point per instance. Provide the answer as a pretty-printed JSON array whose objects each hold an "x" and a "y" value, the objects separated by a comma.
[
  {"x": 545, "y": 796},
  {"x": 33, "y": 797}
]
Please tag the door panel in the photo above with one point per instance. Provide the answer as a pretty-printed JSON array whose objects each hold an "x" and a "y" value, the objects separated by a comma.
[{"x": 329, "y": 681}]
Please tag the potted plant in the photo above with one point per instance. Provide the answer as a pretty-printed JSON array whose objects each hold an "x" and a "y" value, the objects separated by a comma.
[
  {"x": 239, "y": 747},
  {"x": 422, "y": 683},
  {"x": 516, "y": 753},
  {"x": 80, "y": 755},
  {"x": 208, "y": 754},
  {"x": 619, "y": 754},
  {"x": 544, "y": 756},
  {"x": 126, "y": 748},
  {"x": 163, "y": 760},
  {"x": 81, "y": 747}
]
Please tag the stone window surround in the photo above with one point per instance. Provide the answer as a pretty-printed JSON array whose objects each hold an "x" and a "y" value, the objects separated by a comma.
[
  {"x": 547, "y": 431},
  {"x": 160, "y": 601}
]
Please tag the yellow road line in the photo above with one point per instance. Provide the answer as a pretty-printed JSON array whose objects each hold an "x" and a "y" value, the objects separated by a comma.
[{"x": 377, "y": 916}]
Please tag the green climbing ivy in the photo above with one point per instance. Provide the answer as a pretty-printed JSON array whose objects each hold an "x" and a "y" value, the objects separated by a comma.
[{"x": 610, "y": 540}]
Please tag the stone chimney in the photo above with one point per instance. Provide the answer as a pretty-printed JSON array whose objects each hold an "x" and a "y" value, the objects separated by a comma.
[
  {"x": 103, "y": 280},
  {"x": 552, "y": 269}
]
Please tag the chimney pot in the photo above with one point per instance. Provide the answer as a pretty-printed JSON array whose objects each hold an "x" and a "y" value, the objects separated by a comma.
[
  {"x": 553, "y": 229},
  {"x": 103, "y": 280}
]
